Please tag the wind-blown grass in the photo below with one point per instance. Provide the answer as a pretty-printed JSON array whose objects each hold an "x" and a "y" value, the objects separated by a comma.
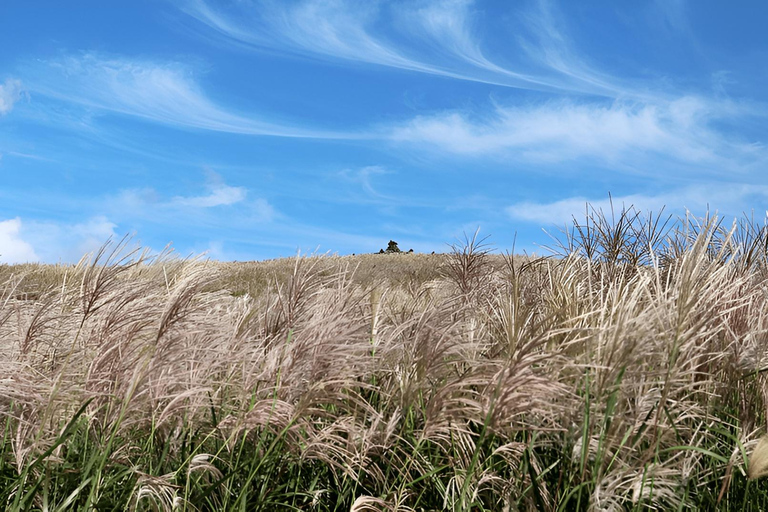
[{"x": 626, "y": 373}]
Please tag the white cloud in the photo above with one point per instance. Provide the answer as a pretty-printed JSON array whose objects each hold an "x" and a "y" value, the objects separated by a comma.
[
  {"x": 149, "y": 204},
  {"x": 261, "y": 211},
  {"x": 728, "y": 199},
  {"x": 88, "y": 236},
  {"x": 562, "y": 131},
  {"x": 11, "y": 91},
  {"x": 52, "y": 241},
  {"x": 162, "y": 92},
  {"x": 220, "y": 195},
  {"x": 56, "y": 241},
  {"x": 13, "y": 249}
]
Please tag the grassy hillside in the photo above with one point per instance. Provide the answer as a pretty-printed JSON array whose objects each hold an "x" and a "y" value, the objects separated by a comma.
[{"x": 628, "y": 373}]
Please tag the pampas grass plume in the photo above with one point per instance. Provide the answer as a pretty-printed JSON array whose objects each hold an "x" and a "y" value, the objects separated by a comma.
[{"x": 758, "y": 462}]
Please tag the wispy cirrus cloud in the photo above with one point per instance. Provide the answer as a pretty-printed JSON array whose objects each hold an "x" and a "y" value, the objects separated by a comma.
[
  {"x": 726, "y": 198},
  {"x": 437, "y": 37},
  {"x": 626, "y": 117},
  {"x": 548, "y": 43},
  {"x": 11, "y": 91},
  {"x": 337, "y": 29},
  {"x": 363, "y": 177},
  {"x": 162, "y": 92}
]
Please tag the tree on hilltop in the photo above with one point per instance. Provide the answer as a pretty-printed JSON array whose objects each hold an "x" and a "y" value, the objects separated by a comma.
[{"x": 392, "y": 247}]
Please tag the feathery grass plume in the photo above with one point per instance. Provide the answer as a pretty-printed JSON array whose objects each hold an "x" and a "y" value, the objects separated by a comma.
[
  {"x": 467, "y": 264},
  {"x": 202, "y": 463},
  {"x": 758, "y": 460},
  {"x": 158, "y": 491},
  {"x": 371, "y": 504}
]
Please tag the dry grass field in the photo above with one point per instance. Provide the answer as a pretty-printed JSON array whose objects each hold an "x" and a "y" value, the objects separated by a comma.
[{"x": 627, "y": 373}]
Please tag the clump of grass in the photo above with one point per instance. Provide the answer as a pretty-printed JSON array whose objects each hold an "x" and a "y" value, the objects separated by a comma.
[{"x": 626, "y": 372}]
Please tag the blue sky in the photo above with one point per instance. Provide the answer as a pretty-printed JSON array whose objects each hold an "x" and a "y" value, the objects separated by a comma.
[{"x": 250, "y": 129}]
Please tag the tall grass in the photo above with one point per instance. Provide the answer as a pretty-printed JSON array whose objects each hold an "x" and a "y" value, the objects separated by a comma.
[{"x": 626, "y": 373}]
